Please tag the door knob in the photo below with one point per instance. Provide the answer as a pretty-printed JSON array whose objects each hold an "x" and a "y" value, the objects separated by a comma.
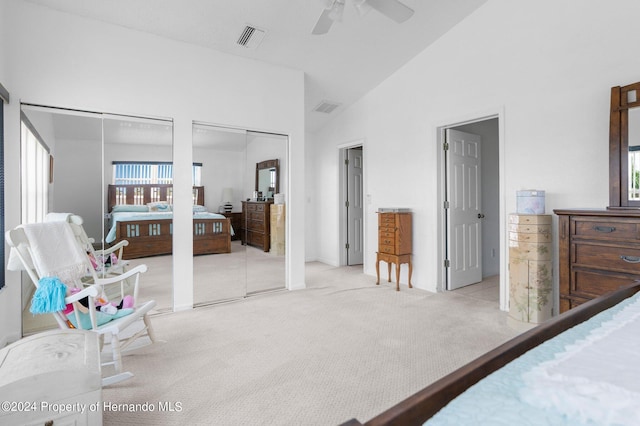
[{"x": 480, "y": 216}]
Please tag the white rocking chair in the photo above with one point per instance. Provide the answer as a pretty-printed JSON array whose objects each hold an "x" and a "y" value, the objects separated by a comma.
[
  {"x": 87, "y": 242},
  {"x": 103, "y": 270},
  {"x": 51, "y": 250}
]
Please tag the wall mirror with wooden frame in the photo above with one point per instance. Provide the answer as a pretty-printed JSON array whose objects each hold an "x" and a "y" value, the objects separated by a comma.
[
  {"x": 624, "y": 147},
  {"x": 267, "y": 178}
]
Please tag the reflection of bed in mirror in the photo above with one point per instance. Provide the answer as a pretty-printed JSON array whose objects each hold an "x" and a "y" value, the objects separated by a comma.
[{"x": 141, "y": 214}]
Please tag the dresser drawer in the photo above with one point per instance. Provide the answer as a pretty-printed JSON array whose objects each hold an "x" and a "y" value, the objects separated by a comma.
[
  {"x": 540, "y": 237},
  {"x": 591, "y": 284},
  {"x": 255, "y": 238},
  {"x": 251, "y": 207},
  {"x": 607, "y": 230},
  {"x": 256, "y": 217},
  {"x": 386, "y": 234},
  {"x": 608, "y": 257},
  {"x": 386, "y": 241},
  {"x": 256, "y": 227},
  {"x": 529, "y": 251},
  {"x": 386, "y": 249},
  {"x": 531, "y": 233},
  {"x": 387, "y": 219},
  {"x": 530, "y": 219}
]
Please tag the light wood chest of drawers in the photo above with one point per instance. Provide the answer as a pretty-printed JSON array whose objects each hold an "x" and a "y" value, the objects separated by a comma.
[
  {"x": 394, "y": 243},
  {"x": 530, "y": 268},
  {"x": 598, "y": 251}
]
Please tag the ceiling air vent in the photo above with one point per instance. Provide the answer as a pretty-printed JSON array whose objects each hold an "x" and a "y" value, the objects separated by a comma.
[
  {"x": 326, "y": 107},
  {"x": 251, "y": 37}
]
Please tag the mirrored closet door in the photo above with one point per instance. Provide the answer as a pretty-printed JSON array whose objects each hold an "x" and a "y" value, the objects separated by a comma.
[
  {"x": 264, "y": 208},
  {"x": 219, "y": 274},
  {"x": 241, "y": 174},
  {"x": 70, "y": 160},
  {"x": 138, "y": 197}
]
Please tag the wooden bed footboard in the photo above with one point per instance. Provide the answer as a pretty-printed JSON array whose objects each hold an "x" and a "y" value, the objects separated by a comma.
[
  {"x": 421, "y": 406},
  {"x": 155, "y": 237}
]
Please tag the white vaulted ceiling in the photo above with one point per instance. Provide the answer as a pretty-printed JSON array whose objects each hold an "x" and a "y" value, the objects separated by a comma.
[{"x": 355, "y": 56}]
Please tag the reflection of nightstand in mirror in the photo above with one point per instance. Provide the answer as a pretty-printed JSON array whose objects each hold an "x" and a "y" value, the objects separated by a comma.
[{"x": 236, "y": 223}]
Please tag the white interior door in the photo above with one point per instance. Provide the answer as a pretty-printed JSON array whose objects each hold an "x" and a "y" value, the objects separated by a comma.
[
  {"x": 464, "y": 215},
  {"x": 355, "y": 208}
]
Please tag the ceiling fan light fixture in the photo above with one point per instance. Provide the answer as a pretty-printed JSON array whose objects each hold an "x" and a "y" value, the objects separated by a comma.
[
  {"x": 337, "y": 11},
  {"x": 334, "y": 9},
  {"x": 362, "y": 7}
]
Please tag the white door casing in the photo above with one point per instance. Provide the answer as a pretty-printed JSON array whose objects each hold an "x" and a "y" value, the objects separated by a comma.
[
  {"x": 464, "y": 215},
  {"x": 355, "y": 207}
]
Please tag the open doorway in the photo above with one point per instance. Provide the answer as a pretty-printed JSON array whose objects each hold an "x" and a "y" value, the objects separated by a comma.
[
  {"x": 352, "y": 205},
  {"x": 471, "y": 199}
]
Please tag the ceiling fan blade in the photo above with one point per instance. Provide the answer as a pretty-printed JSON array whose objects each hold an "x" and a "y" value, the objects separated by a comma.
[
  {"x": 392, "y": 9},
  {"x": 324, "y": 23}
]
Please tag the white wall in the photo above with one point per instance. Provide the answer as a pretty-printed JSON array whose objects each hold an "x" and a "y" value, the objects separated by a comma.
[
  {"x": 221, "y": 169},
  {"x": 60, "y": 60},
  {"x": 310, "y": 198},
  {"x": 548, "y": 65},
  {"x": 3, "y": 47},
  {"x": 77, "y": 180}
]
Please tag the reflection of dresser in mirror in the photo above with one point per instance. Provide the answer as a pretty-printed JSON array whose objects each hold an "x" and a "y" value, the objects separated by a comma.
[{"x": 256, "y": 222}]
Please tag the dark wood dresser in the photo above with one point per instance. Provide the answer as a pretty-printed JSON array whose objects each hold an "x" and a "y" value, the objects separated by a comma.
[
  {"x": 599, "y": 251},
  {"x": 256, "y": 222}
]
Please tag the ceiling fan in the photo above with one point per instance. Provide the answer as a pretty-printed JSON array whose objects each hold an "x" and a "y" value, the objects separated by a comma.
[{"x": 334, "y": 9}]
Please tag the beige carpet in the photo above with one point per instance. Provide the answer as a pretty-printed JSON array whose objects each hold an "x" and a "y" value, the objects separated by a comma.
[
  {"x": 217, "y": 277},
  {"x": 342, "y": 348}
]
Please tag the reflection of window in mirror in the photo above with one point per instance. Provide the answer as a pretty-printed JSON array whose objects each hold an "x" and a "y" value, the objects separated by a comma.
[
  {"x": 35, "y": 174},
  {"x": 272, "y": 187},
  {"x": 634, "y": 153},
  {"x": 149, "y": 172}
]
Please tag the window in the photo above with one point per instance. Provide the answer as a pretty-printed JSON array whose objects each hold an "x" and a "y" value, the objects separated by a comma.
[
  {"x": 4, "y": 97},
  {"x": 634, "y": 172},
  {"x": 272, "y": 179},
  {"x": 36, "y": 169},
  {"x": 149, "y": 172}
]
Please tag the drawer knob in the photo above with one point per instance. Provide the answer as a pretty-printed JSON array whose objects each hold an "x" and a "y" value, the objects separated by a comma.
[
  {"x": 606, "y": 229},
  {"x": 630, "y": 259}
]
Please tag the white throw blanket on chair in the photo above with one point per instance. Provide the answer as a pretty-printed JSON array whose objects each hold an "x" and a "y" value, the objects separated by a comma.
[
  {"x": 54, "y": 252},
  {"x": 57, "y": 217}
]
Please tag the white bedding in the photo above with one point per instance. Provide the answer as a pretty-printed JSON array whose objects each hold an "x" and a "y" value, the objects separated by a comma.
[
  {"x": 595, "y": 379},
  {"x": 125, "y": 216},
  {"x": 505, "y": 396}
]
